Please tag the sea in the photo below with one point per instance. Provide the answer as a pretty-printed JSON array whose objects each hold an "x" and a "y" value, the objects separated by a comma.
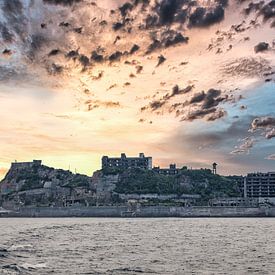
[{"x": 137, "y": 246}]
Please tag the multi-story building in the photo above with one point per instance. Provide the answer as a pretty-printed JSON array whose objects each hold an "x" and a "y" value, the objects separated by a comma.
[
  {"x": 259, "y": 185},
  {"x": 128, "y": 162},
  {"x": 20, "y": 165},
  {"x": 172, "y": 170}
]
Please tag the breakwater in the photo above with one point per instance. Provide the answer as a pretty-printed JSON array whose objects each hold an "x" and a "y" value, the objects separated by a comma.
[{"x": 144, "y": 211}]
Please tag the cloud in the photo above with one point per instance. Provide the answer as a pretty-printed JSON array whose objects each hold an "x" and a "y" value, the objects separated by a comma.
[
  {"x": 205, "y": 106},
  {"x": 270, "y": 134},
  {"x": 246, "y": 67},
  {"x": 161, "y": 59},
  {"x": 261, "y": 47},
  {"x": 7, "y": 36},
  {"x": 54, "y": 69},
  {"x": 263, "y": 123},
  {"x": 159, "y": 103},
  {"x": 166, "y": 39},
  {"x": 115, "y": 56},
  {"x": 271, "y": 157},
  {"x": 209, "y": 114},
  {"x": 134, "y": 49},
  {"x": 245, "y": 146},
  {"x": 177, "y": 91},
  {"x": 62, "y": 2},
  {"x": 94, "y": 104},
  {"x": 97, "y": 57},
  {"x": 268, "y": 10},
  {"x": 203, "y": 18}
]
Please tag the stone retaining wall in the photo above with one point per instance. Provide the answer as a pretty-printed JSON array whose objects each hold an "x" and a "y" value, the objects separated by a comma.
[{"x": 150, "y": 211}]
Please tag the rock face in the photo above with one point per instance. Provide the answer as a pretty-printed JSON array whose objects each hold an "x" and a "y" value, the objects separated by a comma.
[
  {"x": 31, "y": 183},
  {"x": 104, "y": 186}
]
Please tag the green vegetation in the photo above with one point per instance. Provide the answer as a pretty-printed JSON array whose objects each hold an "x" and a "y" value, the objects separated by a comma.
[
  {"x": 201, "y": 182},
  {"x": 142, "y": 181},
  {"x": 36, "y": 177},
  {"x": 78, "y": 181},
  {"x": 32, "y": 179}
]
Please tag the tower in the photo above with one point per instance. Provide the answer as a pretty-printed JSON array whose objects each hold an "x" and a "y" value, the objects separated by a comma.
[{"x": 214, "y": 168}]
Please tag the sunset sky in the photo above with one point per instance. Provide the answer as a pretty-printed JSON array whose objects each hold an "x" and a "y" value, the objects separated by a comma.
[{"x": 186, "y": 82}]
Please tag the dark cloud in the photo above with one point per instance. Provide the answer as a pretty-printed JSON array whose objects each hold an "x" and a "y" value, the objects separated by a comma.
[
  {"x": 97, "y": 57},
  {"x": 268, "y": 10},
  {"x": 62, "y": 2},
  {"x": 263, "y": 123},
  {"x": 206, "y": 104},
  {"x": 7, "y": 36},
  {"x": 156, "y": 44},
  {"x": 211, "y": 100},
  {"x": 177, "y": 91},
  {"x": 158, "y": 104},
  {"x": 15, "y": 19},
  {"x": 84, "y": 61},
  {"x": 117, "y": 26},
  {"x": 198, "y": 114},
  {"x": 12, "y": 7},
  {"x": 74, "y": 54},
  {"x": 175, "y": 39},
  {"x": 139, "y": 69},
  {"x": 216, "y": 115},
  {"x": 134, "y": 49},
  {"x": 115, "y": 56},
  {"x": 125, "y": 8},
  {"x": 161, "y": 59},
  {"x": 54, "y": 52},
  {"x": 261, "y": 47},
  {"x": 78, "y": 30},
  {"x": 198, "y": 97},
  {"x": 203, "y": 18},
  {"x": 7, "y": 52},
  {"x": 151, "y": 21},
  {"x": 99, "y": 76},
  {"x": 65, "y": 24},
  {"x": 54, "y": 69},
  {"x": 167, "y": 10},
  {"x": 253, "y": 7},
  {"x": 166, "y": 39},
  {"x": 36, "y": 43}
]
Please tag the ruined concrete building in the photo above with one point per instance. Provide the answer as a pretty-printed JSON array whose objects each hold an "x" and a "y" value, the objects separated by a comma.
[
  {"x": 31, "y": 164},
  {"x": 127, "y": 162},
  {"x": 172, "y": 170},
  {"x": 259, "y": 185}
]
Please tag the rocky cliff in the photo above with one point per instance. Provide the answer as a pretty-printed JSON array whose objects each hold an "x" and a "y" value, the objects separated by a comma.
[{"x": 31, "y": 183}]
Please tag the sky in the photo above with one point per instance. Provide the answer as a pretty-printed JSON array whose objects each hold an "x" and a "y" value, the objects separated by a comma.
[{"x": 186, "y": 82}]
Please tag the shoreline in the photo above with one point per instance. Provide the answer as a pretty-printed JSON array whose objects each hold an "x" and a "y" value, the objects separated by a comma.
[{"x": 141, "y": 212}]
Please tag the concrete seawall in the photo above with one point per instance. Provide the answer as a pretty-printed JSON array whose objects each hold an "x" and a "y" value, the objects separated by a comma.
[{"x": 149, "y": 211}]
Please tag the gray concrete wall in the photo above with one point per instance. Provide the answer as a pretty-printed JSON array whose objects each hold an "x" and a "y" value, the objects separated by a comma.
[{"x": 150, "y": 211}]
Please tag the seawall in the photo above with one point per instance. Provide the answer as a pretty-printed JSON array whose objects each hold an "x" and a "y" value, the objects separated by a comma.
[{"x": 149, "y": 211}]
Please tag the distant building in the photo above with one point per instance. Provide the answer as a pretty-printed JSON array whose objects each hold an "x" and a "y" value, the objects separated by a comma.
[
  {"x": 172, "y": 170},
  {"x": 34, "y": 163},
  {"x": 259, "y": 185},
  {"x": 128, "y": 162}
]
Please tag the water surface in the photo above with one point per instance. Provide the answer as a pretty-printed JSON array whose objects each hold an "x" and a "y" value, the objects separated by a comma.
[{"x": 137, "y": 246}]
